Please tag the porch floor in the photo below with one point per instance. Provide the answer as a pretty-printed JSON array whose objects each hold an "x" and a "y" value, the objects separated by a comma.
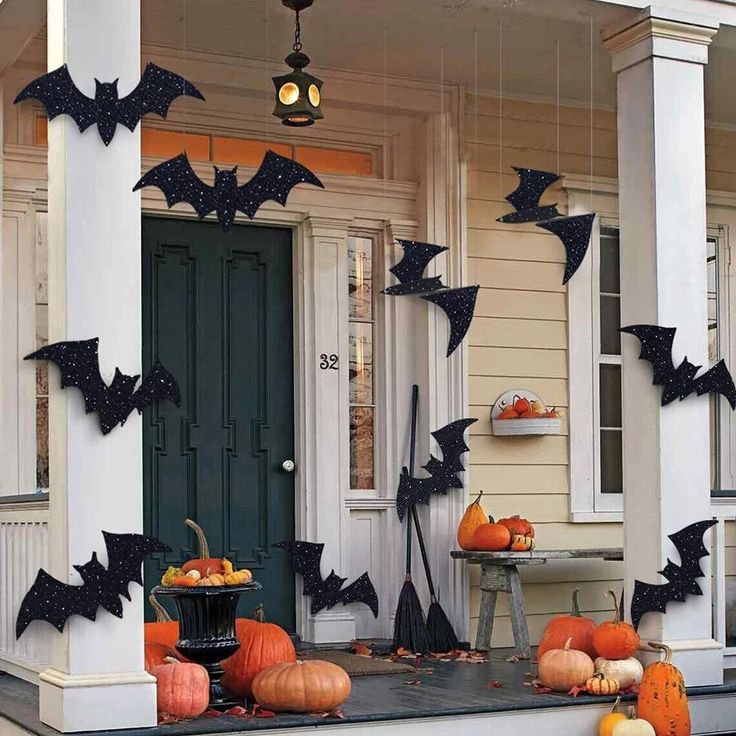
[{"x": 450, "y": 689}]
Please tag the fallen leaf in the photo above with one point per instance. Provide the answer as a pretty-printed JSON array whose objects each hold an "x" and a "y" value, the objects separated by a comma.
[
  {"x": 576, "y": 690},
  {"x": 512, "y": 658},
  {"x": 494, "y": 684},
  {"x": 401, "y": 652},
  {"x": 360, "y": 649},
  {"x": 540, "y": 688},
  {"x": 337, "y": 713},
  {"x": 164, "y": 718},
  {"x": 413, "y": 682}
]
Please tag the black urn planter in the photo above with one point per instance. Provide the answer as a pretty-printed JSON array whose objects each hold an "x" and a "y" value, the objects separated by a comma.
[{"x": 207, "y": 629}]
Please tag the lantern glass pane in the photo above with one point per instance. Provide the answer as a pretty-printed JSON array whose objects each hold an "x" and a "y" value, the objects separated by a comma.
[
  {"x": 314, "y": 96},
  {"x": 289, "y": 93}
]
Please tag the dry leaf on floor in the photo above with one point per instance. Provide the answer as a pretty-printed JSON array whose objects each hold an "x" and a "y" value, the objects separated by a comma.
[
  {"x": 576, "y": 690},
  {"x": 337, "y": 713},
  {"x": 360, "y": 649},
  {"x": 413, "y": 682},
  {"x": 539, "y": 688},
  {"x": 513, "y": 658},
  {"x": 494, "y": 684}
]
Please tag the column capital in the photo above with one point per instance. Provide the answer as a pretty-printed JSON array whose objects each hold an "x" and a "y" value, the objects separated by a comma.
[{"x": 659, "y": 32}]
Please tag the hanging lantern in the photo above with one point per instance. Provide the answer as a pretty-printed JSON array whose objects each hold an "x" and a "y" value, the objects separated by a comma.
[{"x": 298, "y": 94}]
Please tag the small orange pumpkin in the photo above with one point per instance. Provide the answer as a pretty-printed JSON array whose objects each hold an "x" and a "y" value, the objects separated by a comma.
[
  {"x": 574, "y": 626},
  {"x": 473, "y": 517},
  {"x": 517, "y": 525},
  {"x": 615, "y": 639},
  {"x": 662, "y": 698},
  {"x": 611, "y": 720},
  {"x": 182, "y": 688},
  {"x": 491, "y": 537},
  {"x": 521, "y": 543},
  {"x": 599, "y": 684},
  {"x": 562, "y": 669},
  {"x": 204, "y": 564}
]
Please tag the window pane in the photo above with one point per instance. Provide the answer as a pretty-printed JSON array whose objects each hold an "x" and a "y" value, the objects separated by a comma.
[
  {"x": 610, "y": 268},
  {"x": 611, "y": 461},
  {"x": 610, "y": 391},
  {"x": 361, "y": 363},
  {"x": 610, "y": 324},
  {"x": 361, "y": 447},
  {"x": 360, "y": 277}
]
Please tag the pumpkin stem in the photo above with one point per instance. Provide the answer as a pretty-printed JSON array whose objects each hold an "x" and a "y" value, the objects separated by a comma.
[
  {"x": 259, "y": 614},
  {"x": 204, "y": 548},
  {"x": 631, "y": 713},
  {"x": 162, "y": 615},
  {"x": 616, "y": 609},
  {"x": 477, "y": 500},
  {"x": 491, "y": 520},
  {"x": 575, "y": 605},
  {"x": 568, "y": 643},
  {"x": 171, "y": 660},
  {"x": 662, "y": 648},
  {"x": 616, "y": 704}
]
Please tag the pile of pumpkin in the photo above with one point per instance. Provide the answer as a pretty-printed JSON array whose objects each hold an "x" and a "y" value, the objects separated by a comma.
[
  {"x": 477, "y": 532},
  {"x": 575, "y": 654}
]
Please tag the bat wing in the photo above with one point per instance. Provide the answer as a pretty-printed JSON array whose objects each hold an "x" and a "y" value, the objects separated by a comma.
[
  {"x": 125, "y": 553},
  {"x": 656, "y": 347},
  {"x": 50, "y": 600},
  {"x": 451, "y": 439},
  {"x": 155, "y": 92},
  {"x": 459, "y": 306},
  {"x": 59, "y": 95},
  {"x": 525, "y": 198},
  {"x": 275, "y": 178},
  {"x": 648, "y": 597},
  {"x": 689, "y": 545},
  {"x": 410, "y": 269},
  {"x": 411, "y": 491},
  {"x": 306, "y": 558},
  {"x": 574, "y": 232},
  {"x": 177, "y": 180},
  {"x": 79, "y": 364},
  {"x": 158, "y": 384},
  {"x": 443, "y": 475},
  {"x": 361, "y": 591},
  {"x": 716, "y": 380}
]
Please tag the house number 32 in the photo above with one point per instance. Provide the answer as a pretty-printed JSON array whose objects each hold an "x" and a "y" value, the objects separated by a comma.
[{"x": 329, "y": 362}]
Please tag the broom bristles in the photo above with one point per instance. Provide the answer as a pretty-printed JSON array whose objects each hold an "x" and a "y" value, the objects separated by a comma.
[
  {"x": 442, "y": 636},
  {"x": 410, "y": 626}
]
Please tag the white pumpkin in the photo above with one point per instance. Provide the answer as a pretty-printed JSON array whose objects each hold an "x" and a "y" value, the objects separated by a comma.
[
  {"x": 627, "y": 671},
  {"x": 633, "y": 727}
]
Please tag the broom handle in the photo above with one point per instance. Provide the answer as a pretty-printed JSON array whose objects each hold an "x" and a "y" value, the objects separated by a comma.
[
  {"x": 412, "y": 455},
  {"x": 423, "y": 550}
]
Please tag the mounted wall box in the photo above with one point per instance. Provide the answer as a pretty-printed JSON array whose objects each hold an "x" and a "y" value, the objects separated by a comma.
[{"x": 519, "y": 412}]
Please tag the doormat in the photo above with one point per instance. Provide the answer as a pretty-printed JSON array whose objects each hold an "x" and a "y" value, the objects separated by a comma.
[{"x": 357, "y": 666}]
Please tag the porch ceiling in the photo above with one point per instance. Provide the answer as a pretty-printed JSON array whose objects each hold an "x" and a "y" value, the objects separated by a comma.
[{"x": 349, "y": 34}]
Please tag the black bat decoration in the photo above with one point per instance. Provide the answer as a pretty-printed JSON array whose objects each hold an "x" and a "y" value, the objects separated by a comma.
[
  {"x": 79, "y": 364},
  {"x": 525, "y": 198},
  {"x": 275, "y": 178},
  {"x": 574, "y": 232},
  {"x": 328, "y": 592},
  {"x": 155, "y": 92},
  {"x": 682, "y": 578},
  {"x": 410, "y": 269},
  {"x": 459, "y": 306},
  {"x": 679, "y": 382},
  {"x": 443, "y": 474},
  {"x": 51, "y": 600}
]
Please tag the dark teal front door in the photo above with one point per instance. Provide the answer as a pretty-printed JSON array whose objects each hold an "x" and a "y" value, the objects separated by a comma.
[{"x": 217, "y": 312}]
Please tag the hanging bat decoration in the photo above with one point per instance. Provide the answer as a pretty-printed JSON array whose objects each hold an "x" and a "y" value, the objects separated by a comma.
[
  {"x": 525, "y": 198},
  {"x": 679, "y": 382},
  {"x": 275, "y": 178},
  {"x": 155, "y": 92},
  {"x": 327, "y": 592},
  {"x": 574, "y": 232},
  {"x": 682, "y": 578},
  {"x": 443, "y": 474},
  {"x": 50, "y": 600},
  {"x": 459, "y": 306},
  {"x": 79, "y": 363},
  {"x": 410, "y": 269}
]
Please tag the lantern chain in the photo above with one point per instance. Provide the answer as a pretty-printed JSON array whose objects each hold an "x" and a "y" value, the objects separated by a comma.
[{"x": 297, "y": 34}]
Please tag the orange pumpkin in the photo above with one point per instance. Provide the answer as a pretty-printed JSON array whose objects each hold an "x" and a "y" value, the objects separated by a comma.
[
  {"x": 157, "y": 653},
  {"x": 562, "y": 669},
  {"x": 261, "y": 645},
  {"x": 662, "y": 698},
  {"x": 163, "y": 630},
  {"x": 576, "y": 627},
  {"x": 518, "y": 525},
  {"x": 615, "y": 639},
  {"x": 473, "y": 517},
  {"x": 310, "y": 686},
  {"x": 182, "y": 688},
  {"x": 491, "y": 537},
  {"x": 204, "y": 564},
  {"x": 520, "y": 543}
]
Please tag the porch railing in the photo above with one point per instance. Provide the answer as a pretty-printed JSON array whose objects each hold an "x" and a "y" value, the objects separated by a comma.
[{"x": 23, "y": 549}]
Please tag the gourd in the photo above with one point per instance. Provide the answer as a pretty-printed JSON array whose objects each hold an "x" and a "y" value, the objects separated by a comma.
[
  {"x": 576, "y": 627},
  {"x": 262, "y": 644},
  {"x": 163, "y": 630},
  {"x": 521, "y": 543},
  {"x": 518, "y": 525},
  {"x": 562, "y": 669},
  {"x": 204, "y": 564},
  {"x": 308, "y": 686},
  {"x": 473, "y": 517},
  {"x": 491, "y": 537},
  {"x": 633, "y": 726},
  {"x": 628, "y": 672},
  {"x": 615, "y": 639},
  {"x": 599, "y": 684},
  {"x": 182, "y": 688},
  {"x": 609, "y": 721},
  {"x": 662, "y": 698}
]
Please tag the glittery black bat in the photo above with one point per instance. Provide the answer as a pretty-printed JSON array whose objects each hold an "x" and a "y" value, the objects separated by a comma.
[
  {"x": 410, "y": 269},
  {"x": 79, "y": 365},
  {"x": 328, "y": 592},
  {"x": 574, "y": 232},
  {"x": 525, "y": 198},
  {"x": 679, "y": 382},
  {"x": 443, "y": 474},
  {"x": 155, "y": 92},
  {"x": 54, "y": 601},
  {"x": 459, "y": 306},
  {"x": 682, "y": 578},
  {"x": 275, "y": 178}
]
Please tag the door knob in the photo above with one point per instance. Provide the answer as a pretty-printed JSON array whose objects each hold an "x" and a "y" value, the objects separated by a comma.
[{"x": 288, "y": 466}]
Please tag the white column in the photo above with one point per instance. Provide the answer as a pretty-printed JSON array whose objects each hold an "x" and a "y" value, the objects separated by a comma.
[
  {"x": 659, "y": 58},
  {"x": 96, "y": 679}
]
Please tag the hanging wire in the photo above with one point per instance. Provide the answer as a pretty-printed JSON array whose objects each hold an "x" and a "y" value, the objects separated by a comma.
[
  {"x": 475, "y": 111},
  {"x": 591, "y": 112},
  {"x": 557, "y": 45},
  {"x": 385, "y": 118},
  {"x": 184, "y": 67},
  {"x": 500, "y": 107},
  {"x": 268, "y": 64}
]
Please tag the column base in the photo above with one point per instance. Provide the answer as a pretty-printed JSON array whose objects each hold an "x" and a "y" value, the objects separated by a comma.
[
  {"x": 330, "y": 628},
  {"x": 699, "y": 660},
  {"x": 107, "y": 702}
]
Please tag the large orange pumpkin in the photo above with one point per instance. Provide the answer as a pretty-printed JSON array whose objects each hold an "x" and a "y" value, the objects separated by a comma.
[
  {"x": 662, "y": 698},
  {"x": 562, "y": 669},
  {"x": 182, "y": 688},
  {"x": 615, "y": 639},
  {"x": 163, "y": 630},
  {"x": 261, "y": 645},
  {"x": 491, "y": 537},
  {"x": 310, "y": 686},
  {"x": 473, "y": 517},
  {"x": 518, "y": 525},
  {"x": 576, "y": 627}
]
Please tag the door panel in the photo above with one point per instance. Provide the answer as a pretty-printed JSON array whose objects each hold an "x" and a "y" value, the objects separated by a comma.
[{"x": 217, "y": 312}]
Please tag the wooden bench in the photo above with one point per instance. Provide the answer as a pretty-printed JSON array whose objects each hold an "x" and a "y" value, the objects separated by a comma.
[{"x": 499, "y": 574}]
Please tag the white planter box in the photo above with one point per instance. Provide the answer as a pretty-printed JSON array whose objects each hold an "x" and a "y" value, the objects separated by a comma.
[{"x": 521, "y": 427}]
